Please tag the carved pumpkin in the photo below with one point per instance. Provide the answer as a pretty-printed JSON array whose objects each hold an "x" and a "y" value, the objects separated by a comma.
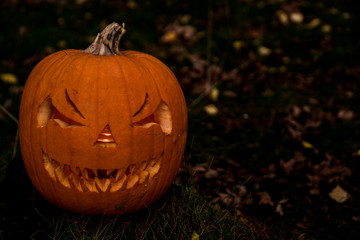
[{"x": 102, "y": 131}]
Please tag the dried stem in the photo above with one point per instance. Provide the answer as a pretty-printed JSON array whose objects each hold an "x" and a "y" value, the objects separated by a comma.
[
  {"x": 107, "y": 42},
  {"x": 9, "y": 114}
]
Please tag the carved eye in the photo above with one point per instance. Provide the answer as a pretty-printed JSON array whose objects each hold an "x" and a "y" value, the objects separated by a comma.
[
  {"x": 47, "y": 111},
  {"x": 161, "y": 116},
  {"x": 62, "y": 120}
]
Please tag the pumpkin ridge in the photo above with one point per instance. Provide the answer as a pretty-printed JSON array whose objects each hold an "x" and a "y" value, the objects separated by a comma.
[
  {"x": 149, "y": 69},
  {"x": 121, "y": 77},
  {"x": 180, "y": 96},
  {"x": 145, "y": 70},
  {"x": 53, "y": 60}
]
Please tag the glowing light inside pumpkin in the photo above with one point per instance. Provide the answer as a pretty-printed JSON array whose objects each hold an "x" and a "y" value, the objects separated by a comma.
[
  {"x": 105, "y": 138},
  {"x": 161, "y": 116},
  {"x": 101, "y": 180},
  {"x": 47, "y": 111}
]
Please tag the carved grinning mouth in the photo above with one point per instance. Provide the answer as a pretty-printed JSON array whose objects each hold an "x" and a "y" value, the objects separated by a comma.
[{"x": 101, "y": 180}]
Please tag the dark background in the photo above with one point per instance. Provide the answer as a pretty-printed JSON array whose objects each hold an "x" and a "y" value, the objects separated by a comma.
[{"x": 272, "y": 89}]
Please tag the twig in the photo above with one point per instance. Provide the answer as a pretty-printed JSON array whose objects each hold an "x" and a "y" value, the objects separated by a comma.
[
  {"x": 201, "y": 96},
  {"x": 16, "y": 143},
  {"x": 9, "y": 114},
  {"x": 208, "y": 59}
]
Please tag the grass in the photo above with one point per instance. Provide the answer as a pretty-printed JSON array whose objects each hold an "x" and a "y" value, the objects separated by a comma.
[{"x": 180, "y": 214}]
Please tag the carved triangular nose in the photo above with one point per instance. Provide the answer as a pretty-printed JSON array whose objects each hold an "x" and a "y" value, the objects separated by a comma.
[{"x": 105, "y": 136}]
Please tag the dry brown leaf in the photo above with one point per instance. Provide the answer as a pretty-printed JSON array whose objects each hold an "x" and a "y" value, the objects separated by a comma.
[
  {"x": 338, "y": 194},
  {"x": 211, "y": 173},
  {"x": 345, "y": 114},
  {"x": 9, "y": 78},
  {"x": 287, "y": 166},
  {"x": 279, "y": 208},
  {"x": 307, "y": 144},
  {"x": 225, "y": 198},
  {"x": 211, "y": 109},
  {"x": 265, "y": 198}
]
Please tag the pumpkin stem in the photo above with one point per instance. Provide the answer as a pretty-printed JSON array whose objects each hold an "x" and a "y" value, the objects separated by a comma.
[{"x": 107, "y": 42}]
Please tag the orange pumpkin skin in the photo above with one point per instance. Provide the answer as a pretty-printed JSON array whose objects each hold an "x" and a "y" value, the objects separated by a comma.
[{"x": 102, "y": 134}]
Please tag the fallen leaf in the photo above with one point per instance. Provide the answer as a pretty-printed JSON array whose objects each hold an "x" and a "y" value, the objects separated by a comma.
[
  {"x": 9, "y": 78},
  {"x": 195, "y": 236},
  {"x": 264, "y": 51},
  {"x": 326, "y": 28},
  {"x": 307, "y": 144},
  {"x": 265, "y": 198},
  {"x": 199, "y": 169},
  {"x": 287, "y": 166},
  {"x": 225, "y": 198},
  {"x": 185, "y": 19},
  {"x": 283, "y": 18},
  {"x": 214, "y": 94},
  {"x": 237, "y": 45},
  {"x": 211, "y": 173},
  {"x": 296, "y": 17},
  {"x": 314, "y": 23},
  {"x": 345, "y": 114},
  {"x": 338, "y": 194},
  {"x": 279, "y": 208},
  {"x": 169, "y": 37},
  {"x": 268, "y": 93},
  {"x": 61, "y": 44},
  {"x": 211, "y": 109},
  {"x": 346, "y": 15}
]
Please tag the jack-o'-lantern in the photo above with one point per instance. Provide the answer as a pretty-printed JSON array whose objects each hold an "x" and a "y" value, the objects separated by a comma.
[{"x": 102, "y": 131}]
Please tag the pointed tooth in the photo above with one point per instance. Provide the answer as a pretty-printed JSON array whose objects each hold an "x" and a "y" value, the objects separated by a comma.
[
  {"x": 109, "y": 171},
  {"x": 143, "y": 175},
  {"x": 118, "y": 184},
  {"x": 61, "y": 177},
  {"x": 83, "y": 185},
  {"x": 94, "y": 172},
  {"x": 67, "y": 169},
  {"x": 85, "y": 174},
  {"x": 102, "y": 184},
  {"x": 55, "y": 163},
  {"x": 132, "y": 168},
  {"x": 46, "y": 158},
  {"x": 152, "y": 163},
  {"x": 132, "y": 180},
  {"x": 90, "y": 184},
  {"x": 154, "y": 169},
  {"x": 107, "y": 184},
  {"x": 75, "y": 170},
  {"x": 75, "y": 180},
  {"x": 59, "y": 173},
  {"x": 143, "y": 165},
  {"x": 61, "y": 165},
  {"x": 48, "y": 166},
  {"x": 50, "y": 170},
  {"x": 137, "y": 167},
  {"x": 119, "y": 174}
]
